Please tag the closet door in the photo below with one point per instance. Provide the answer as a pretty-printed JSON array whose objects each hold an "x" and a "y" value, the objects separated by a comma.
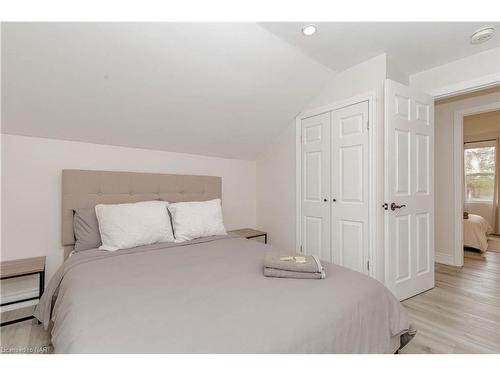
[
  {"x": 349, "y": 161},
  {"x": 315, "y": 199}
]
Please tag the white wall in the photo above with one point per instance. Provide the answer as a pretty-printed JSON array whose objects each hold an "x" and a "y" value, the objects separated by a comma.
[
  {"x": 31, "y": 189},
  {"x": 276, "y": 191},
  {"x": 449, "y": 77},
  {"x": 444, "y": 175},
  {"x": 276, "y": 167},
  {"x": 369, "y": 75}
]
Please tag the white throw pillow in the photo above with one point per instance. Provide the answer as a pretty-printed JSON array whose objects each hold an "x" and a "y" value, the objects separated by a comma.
[
  {"x": 133, "y": 224},
  {"x": 197, "y": 219}
]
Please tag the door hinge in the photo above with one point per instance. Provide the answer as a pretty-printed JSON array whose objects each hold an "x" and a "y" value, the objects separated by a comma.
[
  {"x": 367, "y": 124},
  {"x": 368, "y": 265}
]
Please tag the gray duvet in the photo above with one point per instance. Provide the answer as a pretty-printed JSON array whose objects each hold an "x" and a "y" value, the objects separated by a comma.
[{"x": 210, "y": 296}]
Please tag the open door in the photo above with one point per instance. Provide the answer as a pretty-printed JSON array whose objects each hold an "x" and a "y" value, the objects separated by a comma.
[{"x": 409, "y": 217}]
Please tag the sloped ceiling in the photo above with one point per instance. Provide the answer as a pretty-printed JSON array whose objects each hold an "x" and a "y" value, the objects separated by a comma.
[
  {"x": 412, "y": 46},
  {"x": 211, "y": 89}
]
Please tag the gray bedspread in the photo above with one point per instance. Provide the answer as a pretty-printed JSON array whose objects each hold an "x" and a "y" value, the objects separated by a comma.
[{"x": 210, "y": 296}]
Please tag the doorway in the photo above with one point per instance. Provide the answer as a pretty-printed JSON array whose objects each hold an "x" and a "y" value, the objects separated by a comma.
[{"x": 481, "y": 221}]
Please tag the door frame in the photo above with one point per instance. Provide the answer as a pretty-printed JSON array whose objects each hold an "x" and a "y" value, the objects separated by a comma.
[
  {"x": 458, "y": 175},
  {"x": 371, "y": 98}
]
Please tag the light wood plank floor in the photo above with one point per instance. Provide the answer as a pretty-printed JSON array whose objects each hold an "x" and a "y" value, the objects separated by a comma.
[
  {"x": 24, "y": 337},
  {"x": 460, "y": 315}
]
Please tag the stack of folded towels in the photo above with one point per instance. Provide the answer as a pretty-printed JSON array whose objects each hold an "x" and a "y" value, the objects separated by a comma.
[{"x": 293, "y": 266}]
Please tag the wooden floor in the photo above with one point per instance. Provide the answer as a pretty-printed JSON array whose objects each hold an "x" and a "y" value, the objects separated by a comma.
[
  {"x": 24, "y": 337},
  {"x": 460, "y": 315}
]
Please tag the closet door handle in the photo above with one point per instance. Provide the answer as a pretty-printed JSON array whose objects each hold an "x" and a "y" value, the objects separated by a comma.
[
  {"x": 394, "y": 206},
  {"x": 334, "y": 200},
  {"x": 325, "y": 200}
]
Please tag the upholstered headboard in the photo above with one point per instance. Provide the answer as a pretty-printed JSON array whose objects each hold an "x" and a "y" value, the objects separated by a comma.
[{"x": 85, "y": 189}]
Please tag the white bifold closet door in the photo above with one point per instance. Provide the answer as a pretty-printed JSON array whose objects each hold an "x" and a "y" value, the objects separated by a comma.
[
  {"x": 315, "y": 207},
  {"x": 349, "y": 187},
  {"x": 334, "y": 201}
]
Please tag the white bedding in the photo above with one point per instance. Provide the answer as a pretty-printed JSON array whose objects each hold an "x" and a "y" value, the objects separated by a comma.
[
  {"x": 476, "y": 230},
  {"x": 133, "y": 224},
  {"x": 197, "y": 219}
]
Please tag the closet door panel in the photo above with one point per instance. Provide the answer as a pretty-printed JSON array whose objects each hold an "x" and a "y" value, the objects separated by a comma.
[
  {"x": 351, "y": 244},
  {"x": 351, "y": 171},
  {"x": 315, "y": 199},
  {"x": 349, "y": 186}
]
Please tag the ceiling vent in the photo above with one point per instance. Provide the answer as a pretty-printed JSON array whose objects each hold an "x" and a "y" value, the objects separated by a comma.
[{"x": 482, "y": 35}]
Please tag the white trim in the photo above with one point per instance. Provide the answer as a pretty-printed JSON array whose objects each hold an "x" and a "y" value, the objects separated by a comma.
[
  {"x": 465, "y": 87},
  {"x": 337, "y": 105},
  {"x": 444, "y": 259},
  {"x": 386, "y": 192},
  {"x": 371, "y": 98},
  {"x": 458, "y": 168},
  {"x": 298, "y": 183}
]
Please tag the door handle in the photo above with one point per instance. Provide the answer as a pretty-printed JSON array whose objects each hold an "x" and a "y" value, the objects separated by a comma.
[{"x": 394, "y": 206}]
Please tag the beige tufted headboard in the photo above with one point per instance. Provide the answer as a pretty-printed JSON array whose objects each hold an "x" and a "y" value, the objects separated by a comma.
[{"x": 82, "y": 189}]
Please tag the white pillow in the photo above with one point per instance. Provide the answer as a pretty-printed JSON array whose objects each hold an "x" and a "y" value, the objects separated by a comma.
[
  {"x": 197, "y": 219},
  {"x": 133, "y": 224}
]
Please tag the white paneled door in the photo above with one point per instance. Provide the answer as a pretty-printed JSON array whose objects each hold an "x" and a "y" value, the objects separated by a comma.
[
  {"x": 315, "y": 200},
  {"x": 409, "y": 137},
  {"x": 334, "y": 202},
  {"x": 349, "y": 187}
]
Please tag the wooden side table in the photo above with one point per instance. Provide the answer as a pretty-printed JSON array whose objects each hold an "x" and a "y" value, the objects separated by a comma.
[
  {"x": 250, "y": 233},
  {"x": 19, "y": 268}
]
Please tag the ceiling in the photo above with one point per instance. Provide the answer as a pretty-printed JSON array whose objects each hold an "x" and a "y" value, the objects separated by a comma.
[
  {"x": 216, "y": 89},
  {"x": 412, "y": 47},
  {"x": 211, "y": 89}
]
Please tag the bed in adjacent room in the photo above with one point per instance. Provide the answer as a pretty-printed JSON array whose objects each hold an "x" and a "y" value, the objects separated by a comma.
[
  {"x": 204, "y": 295},
  {"x": 476, "y": 230}
]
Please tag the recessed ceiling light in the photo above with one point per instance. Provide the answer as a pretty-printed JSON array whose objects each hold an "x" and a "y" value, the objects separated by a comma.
[
  {"x": 309, "y": 30},
  {"x": 482, "y": 35}
]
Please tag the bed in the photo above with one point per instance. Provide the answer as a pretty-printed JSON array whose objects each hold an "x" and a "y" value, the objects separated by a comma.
[
  {"x": 206, "y": 295},
  {"x": 476, "y": 230}
]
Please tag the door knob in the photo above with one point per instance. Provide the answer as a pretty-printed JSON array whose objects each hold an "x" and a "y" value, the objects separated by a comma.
[
  {"x": 325, "y": 200},
  {"x": 394, "y": 206}
]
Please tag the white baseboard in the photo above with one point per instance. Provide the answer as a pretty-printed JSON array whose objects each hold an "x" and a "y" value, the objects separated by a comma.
[
  {"x": 444, "y": 259},
  {"x": 17, "y": 296}
]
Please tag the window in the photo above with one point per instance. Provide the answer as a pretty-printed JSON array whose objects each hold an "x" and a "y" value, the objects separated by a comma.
[{"x": 479, "y": 165}]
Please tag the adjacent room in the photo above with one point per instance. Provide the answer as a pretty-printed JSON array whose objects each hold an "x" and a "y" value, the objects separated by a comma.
[
  {"x": 481, "y": 133},
  {"x": 201, "y": 188}
]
